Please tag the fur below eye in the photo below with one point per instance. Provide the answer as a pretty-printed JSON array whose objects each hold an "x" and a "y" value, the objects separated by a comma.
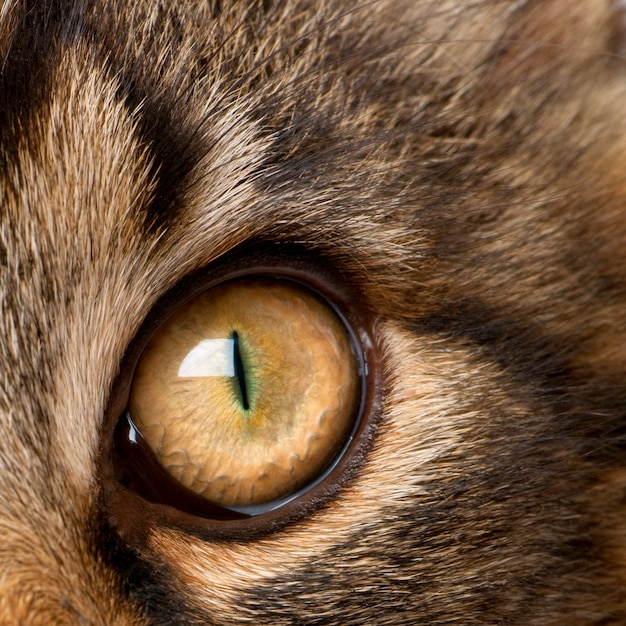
[{"x": 248, "y": 392}]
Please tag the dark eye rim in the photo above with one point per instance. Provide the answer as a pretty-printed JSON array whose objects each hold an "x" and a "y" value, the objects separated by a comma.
[{"x": 132, "y": 513}]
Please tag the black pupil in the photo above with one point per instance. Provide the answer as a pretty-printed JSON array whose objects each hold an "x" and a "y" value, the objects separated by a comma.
[{"x": 240, "y": 372}]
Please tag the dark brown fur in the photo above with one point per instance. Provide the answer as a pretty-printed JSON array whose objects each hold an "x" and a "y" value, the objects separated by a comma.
[{"x": 459, "y": 165}]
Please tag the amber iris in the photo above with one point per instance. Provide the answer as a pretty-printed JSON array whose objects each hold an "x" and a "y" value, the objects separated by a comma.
[{"x": 247, "y": 392}]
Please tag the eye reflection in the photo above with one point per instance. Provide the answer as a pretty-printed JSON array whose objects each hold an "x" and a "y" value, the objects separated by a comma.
[
  {"x": 217, "y": 357},
  {"x": 248, "y": 392},
  {"x": 211, "y": 357}
]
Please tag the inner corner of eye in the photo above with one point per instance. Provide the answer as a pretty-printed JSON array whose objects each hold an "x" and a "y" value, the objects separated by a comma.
[{"x": 257, "y": 382}]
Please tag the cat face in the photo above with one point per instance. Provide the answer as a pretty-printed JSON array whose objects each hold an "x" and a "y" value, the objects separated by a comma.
[{"x": 444, "y": 180}]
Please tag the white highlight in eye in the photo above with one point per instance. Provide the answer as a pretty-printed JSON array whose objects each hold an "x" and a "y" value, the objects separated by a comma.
[{"x": 211, "y": 357}]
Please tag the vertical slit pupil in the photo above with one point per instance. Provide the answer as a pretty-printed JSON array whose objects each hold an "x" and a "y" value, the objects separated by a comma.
[{"x": 240, "y": 372}]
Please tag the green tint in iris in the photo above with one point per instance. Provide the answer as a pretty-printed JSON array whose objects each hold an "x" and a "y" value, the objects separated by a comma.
[{"x": 240, "y": 372}]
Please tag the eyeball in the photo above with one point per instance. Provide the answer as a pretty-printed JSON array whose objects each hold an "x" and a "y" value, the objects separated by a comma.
[{"x": 247, "y": 393}]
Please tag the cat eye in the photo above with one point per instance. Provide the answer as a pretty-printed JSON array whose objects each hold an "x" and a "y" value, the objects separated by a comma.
[{"x": 243, "y": 399}]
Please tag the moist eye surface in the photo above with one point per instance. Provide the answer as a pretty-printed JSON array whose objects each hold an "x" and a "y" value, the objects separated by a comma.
[{"x": 247, "y": 392}]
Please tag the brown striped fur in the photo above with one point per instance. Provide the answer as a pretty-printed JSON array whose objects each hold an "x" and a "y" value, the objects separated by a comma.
[{"x": 460, "y": 163}]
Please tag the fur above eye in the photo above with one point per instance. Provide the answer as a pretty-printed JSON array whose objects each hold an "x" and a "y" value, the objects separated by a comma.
[{"x": 248, "y": 393}]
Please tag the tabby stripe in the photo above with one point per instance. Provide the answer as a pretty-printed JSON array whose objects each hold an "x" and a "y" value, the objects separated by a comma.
[
  {"x": 542, "y": 367},
  {"x": 30, "y": 61}
]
